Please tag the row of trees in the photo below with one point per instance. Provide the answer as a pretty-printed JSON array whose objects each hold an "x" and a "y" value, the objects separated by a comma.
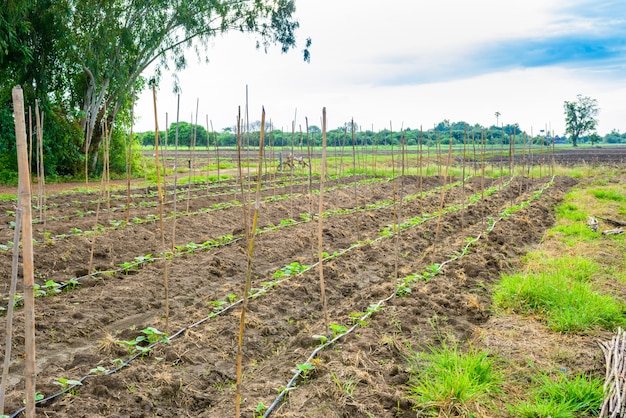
[
  {"x": 84, "y": 61},
  {"x": 461, "y": 132}
]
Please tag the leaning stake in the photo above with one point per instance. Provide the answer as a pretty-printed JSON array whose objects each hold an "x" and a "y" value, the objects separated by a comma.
[
  {"x": 160, "y": 197},
  {"x": 320, "y": 218},
  {"x": 246, "y": 290},
  {"x": 27, "y": 249}
]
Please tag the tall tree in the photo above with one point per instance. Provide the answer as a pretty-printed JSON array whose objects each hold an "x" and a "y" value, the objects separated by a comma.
[
  {"x": 580, "y": 117},
  {"x": 116, "y": 40},
  {"x": 97, "y": 50}
]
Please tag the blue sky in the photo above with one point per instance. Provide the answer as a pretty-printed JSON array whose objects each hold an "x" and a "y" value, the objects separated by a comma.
[{"x": 412, "y": 63}]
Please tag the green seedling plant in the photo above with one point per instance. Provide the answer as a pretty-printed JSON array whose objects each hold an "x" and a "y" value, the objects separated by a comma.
[
  {"x": 290, "y": 269},
  {"x": 260, "y": 409},
  {"x": 321, "y": 338},
  {"x": 98, "y": 370},
  {"x": 304, "y": 369},
  {"x": 49, "y": 288},
  {"x": 67, "y": 383},
  {"x": 217, "y": 305},
  {"x": 337, "y": 329},
  {"x": 150, "y": 336}
]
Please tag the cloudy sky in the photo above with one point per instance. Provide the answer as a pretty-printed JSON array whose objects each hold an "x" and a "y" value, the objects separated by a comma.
[{"x": 412, "y": 63}]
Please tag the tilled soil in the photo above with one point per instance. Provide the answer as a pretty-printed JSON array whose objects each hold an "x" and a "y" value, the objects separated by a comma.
[{"x": 194, "y": 374}]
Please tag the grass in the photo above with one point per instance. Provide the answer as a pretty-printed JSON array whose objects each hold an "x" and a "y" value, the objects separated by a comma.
[
  {"x": 447, "y": 381},
  {"x": 561, "y": 396},
  {"x": 560, "y": 299},
  {"x": 8, "y": 196}
]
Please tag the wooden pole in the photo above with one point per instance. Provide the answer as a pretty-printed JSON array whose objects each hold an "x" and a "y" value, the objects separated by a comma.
[
  {"x": 129, "y": 153},
  {"x": 175, "y": 174},
  {"x": 27, "y": 249},
  {"x": 320, "y": 247},
  {"x": 40, "y": 172},
  {"x": 248, "y": 281},
  {"x": 160, "y": 197}
]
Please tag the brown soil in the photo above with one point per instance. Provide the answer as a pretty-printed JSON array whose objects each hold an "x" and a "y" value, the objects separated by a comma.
[{"x": 194, "y": 374}]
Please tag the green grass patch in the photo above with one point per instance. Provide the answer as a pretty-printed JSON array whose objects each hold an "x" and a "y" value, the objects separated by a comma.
[
  {"x": 447, "y": 381},
  {"x": 561, "y": 297},
  {"x": 579, "y": 268},
  {"x": 8, "y": 196},
  {"x": 561, "y": 397},
  {"x": 571, "y": 212},
  {"x": 608, "y": 194}
]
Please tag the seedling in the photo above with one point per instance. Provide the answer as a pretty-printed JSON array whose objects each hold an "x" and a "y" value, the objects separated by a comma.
[
  {"x": 305, "y": 369},
  {"x": 322, "y": 339},
  {"x": 260, "y": 408},
  {"x": 66, "y": 383},
  {"x": 218, "y": 305},
  {"x": 98, "y": 370},
  {"x": 337, "y": 329}
]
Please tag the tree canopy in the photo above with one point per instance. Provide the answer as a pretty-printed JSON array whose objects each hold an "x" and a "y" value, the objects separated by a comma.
[
  {"x": 85, "y": 59},
  {"x": 580, "y": 117}
]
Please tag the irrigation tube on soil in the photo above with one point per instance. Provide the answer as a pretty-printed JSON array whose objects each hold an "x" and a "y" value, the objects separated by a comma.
[
  {"x": 371, "y": 309},
  {"x": 377, "y": 306}
]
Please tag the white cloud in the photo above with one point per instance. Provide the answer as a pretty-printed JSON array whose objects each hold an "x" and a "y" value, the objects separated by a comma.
[{"x": 400, "y": 61}]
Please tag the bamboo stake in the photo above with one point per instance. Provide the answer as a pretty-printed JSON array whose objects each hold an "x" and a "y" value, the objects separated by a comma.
[
  {"x": 41, "y": 176},
  {"x": 30, "y": 139},
  {"x": 443, "y": 189},
  {"x": 420, "y": 174},
  {"x": 356, "y": 196},
  {"x": 191, "y": 148},
  {"x": 24, "y": 202},
  {"x": 164, "y": 159},
  {"x": 129, "y": 153},
  {"x": 11, "y": 304},
  {"x": 175, "y": 173},
  {"x": 208, "y": 156},
  {"x": 308, "y": 145},
  {"x": 291, "y": 172},
  {"x": 248, "y": 281},
  {"x": 395, "y": 203},
  {"x": 106, "y": 166},
  {"x": 160, "y": 197},
  {"x": 321, "y": 224}
]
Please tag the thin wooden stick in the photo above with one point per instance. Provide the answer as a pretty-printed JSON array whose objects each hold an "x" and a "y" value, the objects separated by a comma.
[
  {"x": 160, "y": 197},
  {"x": 175, "y": 174},
  {"x": 129, "y": 154},
  {"x": 30, "y": 139},
  {"x": 27, "y": 250},
  {"x": 248, "y": 281},
  {"x": 354, "y": 179},
  {"x": 320, "y": 246},
  {"x": 11, "y": 304},
  {"x": 40, "y": 168},
  {"x": 443, "y": 189}
]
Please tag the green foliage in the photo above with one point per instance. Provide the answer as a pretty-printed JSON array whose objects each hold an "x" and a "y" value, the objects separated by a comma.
[
  {"x": 607, "y": 194},
  {"x": 448, "y": 381},
  {"x": 561, "y": 396},
  {"x": 580, "y": 117},
  {"x": 561, "y": 297}
]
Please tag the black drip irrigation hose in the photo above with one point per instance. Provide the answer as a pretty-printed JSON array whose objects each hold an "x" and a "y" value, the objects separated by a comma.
[
  {"x": 371, "y": 310},
  {"x": 231, "y": 204},
  {"x": 376, "y": 306},
  {"x": 63, "y": 285}
]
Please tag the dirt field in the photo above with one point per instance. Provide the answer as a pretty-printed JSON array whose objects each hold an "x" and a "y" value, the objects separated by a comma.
[{"x": 193, "y": 374}]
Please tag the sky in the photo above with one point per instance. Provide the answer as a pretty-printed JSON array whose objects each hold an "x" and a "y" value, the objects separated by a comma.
[{"x": 412, "y": 63}]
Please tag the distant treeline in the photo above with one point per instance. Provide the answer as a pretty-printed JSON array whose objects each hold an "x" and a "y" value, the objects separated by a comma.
[{"x": 461, "y": 132}]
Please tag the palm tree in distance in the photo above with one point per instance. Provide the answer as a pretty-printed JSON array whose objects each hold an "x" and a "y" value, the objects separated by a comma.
[{"x": 497, "y": 118}]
